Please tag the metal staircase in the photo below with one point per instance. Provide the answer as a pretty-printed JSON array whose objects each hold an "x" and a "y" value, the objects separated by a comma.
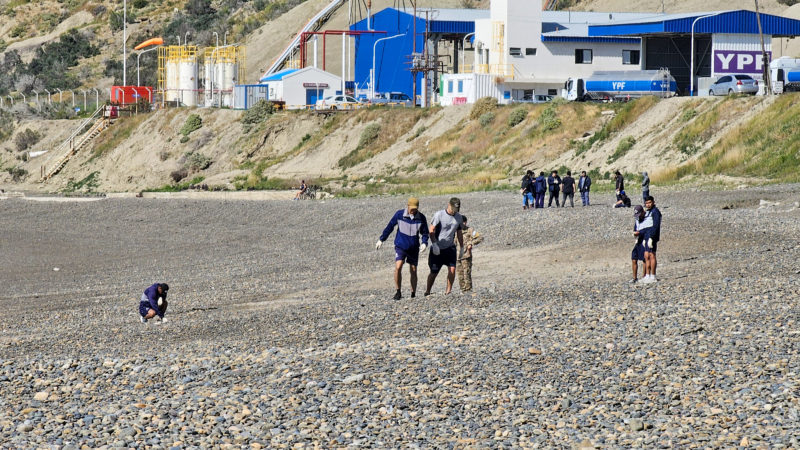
[{"x": 80, "y": 137}]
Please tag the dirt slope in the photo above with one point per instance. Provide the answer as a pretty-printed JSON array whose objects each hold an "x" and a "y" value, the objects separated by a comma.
[{"x": 410, "y": 146}]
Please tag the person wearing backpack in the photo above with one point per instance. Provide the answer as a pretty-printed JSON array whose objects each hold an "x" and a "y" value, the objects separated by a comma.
[
  {"x": 554, "y": 186},
  {"x": 568, "y": 190},
  {"x": 527, "y": 190},
  {"x": 540, "y": 187}
]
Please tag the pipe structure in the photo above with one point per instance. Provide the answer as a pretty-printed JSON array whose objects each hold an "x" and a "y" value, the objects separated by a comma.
[
  {"x": 12, "y": 100},
  {"x": 691, "y": 64},
  {"x": 225, "y": 40},
  {"x": 464, "y": 49},
  {"x": 344, "y": 66},
  {"x": 73, "y": 99},
  {"x": 60, "y": 96},
  {"x": 124, "y": 42},
  {"x": 84, "y": 99},
  {"x": 216, "y": 35},
  {"x": 306, "y": 35},
  {"x": 186, "y": 38},
  {"x": 49, "y": 102},
  {"x": 179, "y": 40},
  {"x": 96, "y": 98},
  {"x": 38, "y": 105},
  {"x": 214, "y": 72},
  {"x": 372, "y": 73}
]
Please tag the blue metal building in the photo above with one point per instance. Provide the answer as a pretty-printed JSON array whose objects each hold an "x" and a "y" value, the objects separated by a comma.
[{"x": 393, "y": 57}]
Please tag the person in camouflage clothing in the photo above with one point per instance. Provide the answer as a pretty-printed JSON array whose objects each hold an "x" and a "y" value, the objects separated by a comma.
[{"x": 464, "y": 267}]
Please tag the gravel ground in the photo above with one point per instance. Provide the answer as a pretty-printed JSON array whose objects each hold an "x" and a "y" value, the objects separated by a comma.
[{"x": 283, "y": 332}]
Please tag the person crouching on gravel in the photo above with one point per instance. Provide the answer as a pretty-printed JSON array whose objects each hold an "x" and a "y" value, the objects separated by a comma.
[
  {"x": 154, "y": 302},
  {"x": 445, "y": 227},
  {"x": 464, "y": 270},
  {"x": 410, "y": 225}
]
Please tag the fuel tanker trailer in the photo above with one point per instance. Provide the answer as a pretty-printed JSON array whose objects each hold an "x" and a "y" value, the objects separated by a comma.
[{"x": 620, "y": 85}]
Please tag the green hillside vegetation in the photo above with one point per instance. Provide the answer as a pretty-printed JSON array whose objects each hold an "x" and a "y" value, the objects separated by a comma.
[{"x": 767, "y": 148}]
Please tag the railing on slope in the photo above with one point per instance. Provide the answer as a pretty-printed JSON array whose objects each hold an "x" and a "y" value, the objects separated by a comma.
[
  {"x": 69, "y": 147},
  {"x": 312, "y": 25}
]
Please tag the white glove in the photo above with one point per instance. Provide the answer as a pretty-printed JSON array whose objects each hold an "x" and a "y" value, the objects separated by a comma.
[
  {"x": 650, "y": 242},
  {"x": 160, "y": 302},
  {"x": 423, "y": 247},
  {"x": 434, "y": 249},
  {"x": 378, "y": 244}
]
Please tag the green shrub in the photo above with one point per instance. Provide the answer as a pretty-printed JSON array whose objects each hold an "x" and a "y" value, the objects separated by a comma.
[
  {"x": 139, "y": 4},
  {"x": 17, "y": 173},
  {"x": 549, "y": 120},
  {"x": 622, "y": 148},
  {"x": 26, "y": 139},
  {"x": 369, "y": 135},
  {"x": 517, "y": 116},
  {"x": 193, "y": 123},
  {"x": 688, "y": 115},
  {"x": 184, "y": 139},
  {"x": 483, "y": 106},
  {"x": 196, "y": 161},
  {"x": 257, "y": 114},
  {"x": 486, "y": 119},
  {"x": 90, "y": 183}
]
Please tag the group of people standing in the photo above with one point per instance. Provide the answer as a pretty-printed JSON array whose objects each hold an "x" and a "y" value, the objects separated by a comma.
[
  {"x": 534, "y": 188},
  {"x": 447, "y": 227}
]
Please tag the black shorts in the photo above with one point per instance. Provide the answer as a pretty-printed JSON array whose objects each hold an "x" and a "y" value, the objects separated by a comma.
[
  {"x": 447, "y": 257},
  {"x": 637, "y": 254}
]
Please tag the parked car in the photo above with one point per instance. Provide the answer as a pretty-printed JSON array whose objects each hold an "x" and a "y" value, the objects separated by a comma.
[
  {"x": 734, "y": 84},
  {"x": 338, "y": 102},
  {"x": 392, "y": 98}
]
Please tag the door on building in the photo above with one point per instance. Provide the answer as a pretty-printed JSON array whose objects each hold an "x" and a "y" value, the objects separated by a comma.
[{"x": 311, "y": 97}]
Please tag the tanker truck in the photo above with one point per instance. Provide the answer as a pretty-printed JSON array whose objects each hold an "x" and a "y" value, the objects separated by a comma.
[
  {"x": 620, "y": 85},
  {"x": 785, "y": 74}
]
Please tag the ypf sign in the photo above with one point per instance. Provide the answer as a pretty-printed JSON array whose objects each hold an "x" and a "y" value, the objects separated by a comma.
[{"x": 738, "y": 61}]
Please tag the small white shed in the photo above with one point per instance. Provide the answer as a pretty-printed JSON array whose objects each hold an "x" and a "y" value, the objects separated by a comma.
[{"x": 299, "y": 88}]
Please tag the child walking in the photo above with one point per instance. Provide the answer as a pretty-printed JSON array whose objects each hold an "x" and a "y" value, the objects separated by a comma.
[{"x": 464, "y": 267}]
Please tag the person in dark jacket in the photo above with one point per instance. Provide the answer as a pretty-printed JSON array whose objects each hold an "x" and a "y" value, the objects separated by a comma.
[
  {"x": 651, "y": 231},
  {"x": 554, "y": 186},
  {"x": 567, "y": 190},
  {"x": 623, "y": 201},
  {"x": 619, "y": 182},
  {"x": 645, "y": 187},
  {"x": 411, "y": 224},
  {"x": 154, "y": 302},
  {"x": 584, "y": 184},
  {"x": 637, "y": 254},
  {"x": 540, "y": 187},
  {"x": 527, "y": 190}
]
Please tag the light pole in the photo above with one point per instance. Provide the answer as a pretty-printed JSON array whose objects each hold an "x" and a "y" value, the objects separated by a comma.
[
  {"x": 84, "y": 100},
  {"x": 225, "y": 40},
  {"x": 96, "y": 98},
  {"x": 60, "y": 95},
  {"x": 216, "y": 35},
  {"x": 38, "y": 105},
  {"x": 138, "y": 83},
  {"x": 48, "y": 97},
  {"x": 463, "y": 51},
  {"x": 124, "y": 39},
  {"x": 691, "y": 65},
  {"x": 73, "y": 98},
  {"x": 372, "y": 73},
  {"x": 186, "y": 38},
  {"x": 179, "y": 40}
]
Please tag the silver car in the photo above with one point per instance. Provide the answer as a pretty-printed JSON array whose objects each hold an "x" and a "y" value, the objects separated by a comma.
[{"x": 734, "y": 84}]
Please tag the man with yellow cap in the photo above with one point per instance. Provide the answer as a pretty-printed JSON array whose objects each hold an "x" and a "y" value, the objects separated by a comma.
[{"x": 410, "y": 225}]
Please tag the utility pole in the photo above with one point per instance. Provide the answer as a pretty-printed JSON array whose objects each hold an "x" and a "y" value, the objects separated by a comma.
[
  {"x": 414, "y": 54},
  {"x": 764, "y": 57}
]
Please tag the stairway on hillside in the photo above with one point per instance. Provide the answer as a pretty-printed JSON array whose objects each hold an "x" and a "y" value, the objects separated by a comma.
[{"x": 75, "y": 142}]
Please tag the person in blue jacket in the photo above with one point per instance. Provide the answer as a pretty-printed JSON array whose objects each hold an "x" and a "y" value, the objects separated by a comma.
[
  {"x": 540, "y": 187},
  {"x": 154, "y": 302},
  {"x": 410, "y": 223},
  {"x": 651, "y": 231}
]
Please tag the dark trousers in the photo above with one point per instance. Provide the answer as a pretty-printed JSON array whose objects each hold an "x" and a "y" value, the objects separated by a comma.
[
  {"x": 645, "y": 194},
  {"x": 565, "y": 196},
  {"x": 550, "y": 200},
  {"x": 540, "y": 200}
]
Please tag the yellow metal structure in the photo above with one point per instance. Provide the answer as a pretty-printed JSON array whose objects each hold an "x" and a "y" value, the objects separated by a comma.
[
  {"x": 228, "y": 54},
  {"x": 173, "y": 54}
]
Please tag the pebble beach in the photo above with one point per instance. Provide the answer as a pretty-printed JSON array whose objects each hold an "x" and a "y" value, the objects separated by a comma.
[{"x": 283, "y": 332}]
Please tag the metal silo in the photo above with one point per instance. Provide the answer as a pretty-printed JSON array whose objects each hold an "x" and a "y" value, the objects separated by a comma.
[
  {"x": 224, "y": 68},
  {"x": 177, "y": 73}
]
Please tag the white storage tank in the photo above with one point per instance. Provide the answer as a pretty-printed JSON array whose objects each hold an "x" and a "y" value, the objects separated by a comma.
[
  {"x": 188, "y": 82},
  {"x": 177, "y": 73}
]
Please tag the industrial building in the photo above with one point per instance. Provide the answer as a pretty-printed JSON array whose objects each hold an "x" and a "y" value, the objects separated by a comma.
[
  {"x": 519, "y": 51},
  {"x": 299, "y": 88}
]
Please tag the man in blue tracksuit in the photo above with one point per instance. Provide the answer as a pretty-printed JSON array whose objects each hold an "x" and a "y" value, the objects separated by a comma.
[
  {"x": 540, "y": 187},
  {"x": 651, "y": 233},
  {"x": 154, "y": 302},
  {"x": 410, "y": 225}
]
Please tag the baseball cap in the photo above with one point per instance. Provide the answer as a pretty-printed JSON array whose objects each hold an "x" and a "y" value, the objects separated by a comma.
[
  {"x": 413, "y": 202},
  {"x": 455, "y": 203},
  {"x": 638, "y": 210}
]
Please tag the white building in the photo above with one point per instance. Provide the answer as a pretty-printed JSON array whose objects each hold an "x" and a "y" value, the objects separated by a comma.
[{"x": 299, "y": 88}]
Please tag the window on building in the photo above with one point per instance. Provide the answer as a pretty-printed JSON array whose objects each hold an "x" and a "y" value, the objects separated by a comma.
[
  {"x": 583, "y": 56},
  {"x": 515, "y": 51},
  {"x": 450, "y": 86},
  {"x": 530, "y": 51},
  {"x": 630, "y": 57},
  {"x": 552, "y": 92},
  {"x": 460, "y": 86}
]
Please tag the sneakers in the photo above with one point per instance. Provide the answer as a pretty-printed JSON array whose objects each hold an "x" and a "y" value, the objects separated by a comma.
[
  {"x": 397, "y": 295},
  {"x": 632, "y": 281},
  {"x": 649, "y": 279},
  {"x": 413, "y": 294},
  {"x": 142, "y": 319}
]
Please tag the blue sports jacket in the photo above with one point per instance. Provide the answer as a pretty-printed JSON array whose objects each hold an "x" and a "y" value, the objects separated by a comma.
[
  {"x": 152, "y": 297},
  {"x": 408, "y": 228}
]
